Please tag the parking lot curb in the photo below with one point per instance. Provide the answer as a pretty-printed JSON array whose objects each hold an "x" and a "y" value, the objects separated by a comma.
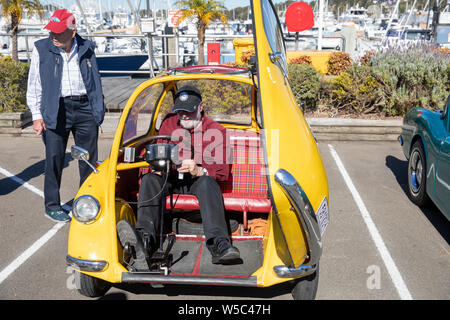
[
  {"x": 341, "y": 129},
  {"x": 324, "y": 129}
]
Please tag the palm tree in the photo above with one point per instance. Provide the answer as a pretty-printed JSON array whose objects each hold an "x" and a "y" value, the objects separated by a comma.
[
  {"x": 13, "y": 10},
  {"x": 205, "y": 11}
]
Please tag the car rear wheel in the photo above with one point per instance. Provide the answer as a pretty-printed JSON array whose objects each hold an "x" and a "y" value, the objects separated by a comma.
[
  {"x": 417, "y": 175},
  {"x": 306, "y": 287},
  {"x": 90, "y": 286}
]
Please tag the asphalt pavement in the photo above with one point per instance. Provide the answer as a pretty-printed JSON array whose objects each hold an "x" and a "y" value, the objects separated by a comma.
[{"x": 378, "y": 245}]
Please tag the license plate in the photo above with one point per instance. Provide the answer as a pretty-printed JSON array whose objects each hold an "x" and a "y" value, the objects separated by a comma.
[{"x": 322, "y": 216}]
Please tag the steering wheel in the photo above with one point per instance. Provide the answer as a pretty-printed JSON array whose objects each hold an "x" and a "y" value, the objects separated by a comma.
[{"x": 151, "y": 138}]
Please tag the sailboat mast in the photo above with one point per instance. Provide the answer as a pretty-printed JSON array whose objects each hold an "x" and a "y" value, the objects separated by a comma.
[
  {"x": 100, "y": 9},
  {"x": 88, "y": 27},
  {"x": 391, "y": 18},
  {"x": 319, "y": 39}
]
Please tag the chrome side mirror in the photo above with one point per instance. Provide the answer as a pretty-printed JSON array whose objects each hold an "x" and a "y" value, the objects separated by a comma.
[
  {"x": 275, "y": 56},
  {"x": 79, "y": 153}
]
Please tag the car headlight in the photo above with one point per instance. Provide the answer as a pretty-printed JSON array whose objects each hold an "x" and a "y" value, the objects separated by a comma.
[{"x": 85, "y": 208}]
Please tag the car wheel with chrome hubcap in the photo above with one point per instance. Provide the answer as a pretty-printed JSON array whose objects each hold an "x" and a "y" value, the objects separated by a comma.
[{"x": 417, "y": 175}]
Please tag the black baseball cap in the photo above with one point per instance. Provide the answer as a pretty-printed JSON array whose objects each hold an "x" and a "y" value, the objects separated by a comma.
[{"x": 187, "y": 98}]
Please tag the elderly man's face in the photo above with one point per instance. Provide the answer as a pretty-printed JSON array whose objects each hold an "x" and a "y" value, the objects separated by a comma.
[
  {"x": 190, "y": 120},
  {"x": 63, "y": 40}
]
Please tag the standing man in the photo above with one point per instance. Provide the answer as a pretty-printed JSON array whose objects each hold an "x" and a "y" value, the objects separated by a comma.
[{"x": 64, "y": 95}]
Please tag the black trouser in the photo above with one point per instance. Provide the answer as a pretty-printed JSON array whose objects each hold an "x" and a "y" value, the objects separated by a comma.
[
  {"x": 76, "y": 117},
  {"x": 204, "y": 188}
]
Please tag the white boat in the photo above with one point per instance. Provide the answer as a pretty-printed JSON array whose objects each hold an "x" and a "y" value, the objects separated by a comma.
[
  {"x": 353, "y": 15},
  {"x": 406, "y": 36}
]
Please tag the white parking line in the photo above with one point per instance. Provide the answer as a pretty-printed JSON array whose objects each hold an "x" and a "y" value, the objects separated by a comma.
[
  {"x": 376, "y": 237},
  {"x": 23, "y": 183},
  {"x": 5, "y": 273}
]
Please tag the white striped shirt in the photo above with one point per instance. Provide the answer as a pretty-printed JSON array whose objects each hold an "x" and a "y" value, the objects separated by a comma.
[{"x": 71, "y": 84}]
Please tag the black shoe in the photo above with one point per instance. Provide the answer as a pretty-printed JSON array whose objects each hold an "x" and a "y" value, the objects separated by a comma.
[
  {"x": 224, "y": 253},
  {"x": 132, "y": 242}
]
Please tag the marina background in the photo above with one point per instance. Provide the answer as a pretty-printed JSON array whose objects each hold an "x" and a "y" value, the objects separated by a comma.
[
  {"x": 124, "y": 43},
  {"x": 391, "y": 33}
]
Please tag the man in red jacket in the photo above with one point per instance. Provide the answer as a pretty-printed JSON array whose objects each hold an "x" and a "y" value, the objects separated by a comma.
[{"x": 203, "y": 165}]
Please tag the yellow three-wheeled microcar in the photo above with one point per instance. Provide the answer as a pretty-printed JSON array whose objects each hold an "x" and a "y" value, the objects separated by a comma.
[{"x": 276, "y": 197}]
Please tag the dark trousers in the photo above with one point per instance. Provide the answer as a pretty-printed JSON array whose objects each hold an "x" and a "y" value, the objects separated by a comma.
[
  {"x": 75, "y": 117},
  {"x": 204, "y": 188}
]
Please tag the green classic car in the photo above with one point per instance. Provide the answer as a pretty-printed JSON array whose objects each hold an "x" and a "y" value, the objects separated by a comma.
[{"x": 425, "y": 140}]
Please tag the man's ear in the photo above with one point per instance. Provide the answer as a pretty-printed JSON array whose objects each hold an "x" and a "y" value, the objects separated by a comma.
[{"x": 201, "y": 105}]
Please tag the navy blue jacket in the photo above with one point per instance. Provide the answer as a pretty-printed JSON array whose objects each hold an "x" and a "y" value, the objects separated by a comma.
[{"x": 50, "y": 69}]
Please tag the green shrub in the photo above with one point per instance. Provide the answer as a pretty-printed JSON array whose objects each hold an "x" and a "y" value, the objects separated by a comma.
[
  {"x": 417, "y": 76},
  {"x": 366, "y": 59},
  {"x": 305, "y": 84},
  {"x": 301, "y": 60},
  {"x": 391, "y": 82},
  {"x": 246, "y": 55},
  {"x": 13, "y": 85},
  {"x": 358, "y": 90},
  {"x": 338, "y": 62}
]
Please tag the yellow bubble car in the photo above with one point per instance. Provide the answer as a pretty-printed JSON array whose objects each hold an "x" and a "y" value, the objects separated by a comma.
[{"x": 276, "y": 198}]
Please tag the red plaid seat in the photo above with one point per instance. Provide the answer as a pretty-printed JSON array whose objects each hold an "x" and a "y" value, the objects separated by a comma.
[{"x": 246, "y": 188}]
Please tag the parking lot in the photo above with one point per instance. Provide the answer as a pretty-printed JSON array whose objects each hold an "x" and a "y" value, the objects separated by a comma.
[{"x": 379, "y": 245}]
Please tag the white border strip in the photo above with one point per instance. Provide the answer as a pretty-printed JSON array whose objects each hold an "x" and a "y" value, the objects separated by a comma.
[{"x": 376, "y": 237}]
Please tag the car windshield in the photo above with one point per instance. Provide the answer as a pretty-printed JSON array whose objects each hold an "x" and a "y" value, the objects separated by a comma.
[{"x": 225, "y": 101}]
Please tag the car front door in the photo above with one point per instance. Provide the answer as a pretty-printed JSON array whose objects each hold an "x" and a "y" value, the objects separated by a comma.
[
  {"x": 289, "y": 143},
  {"x": 443, "y": 169}
]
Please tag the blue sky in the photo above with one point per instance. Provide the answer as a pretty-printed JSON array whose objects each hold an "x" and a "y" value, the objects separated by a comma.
[{"x": 159, "y": 3}]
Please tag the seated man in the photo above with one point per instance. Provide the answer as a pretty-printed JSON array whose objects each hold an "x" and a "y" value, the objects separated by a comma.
[{"x": 197, "y": 175}]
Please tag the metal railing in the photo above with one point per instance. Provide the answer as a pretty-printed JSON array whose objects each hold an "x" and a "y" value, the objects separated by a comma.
[
  {"x": 341, "y": 38},
  {"x": 177, "y": 52}
]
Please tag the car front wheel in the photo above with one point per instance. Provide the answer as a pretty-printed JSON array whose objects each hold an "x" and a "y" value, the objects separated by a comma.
[
  {"x": 306, "y": 287},
  {"x": 417, "y": 175},
  {"x": 90, "y": 286}
]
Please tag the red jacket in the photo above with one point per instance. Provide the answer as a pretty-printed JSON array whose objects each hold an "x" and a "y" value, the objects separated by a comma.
[{"x": 207, "y": 144}]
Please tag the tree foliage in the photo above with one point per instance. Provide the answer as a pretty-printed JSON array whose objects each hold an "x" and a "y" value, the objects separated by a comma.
[
  {"x": 13, "y": 11},
  {"x": 204, "y": 11}
]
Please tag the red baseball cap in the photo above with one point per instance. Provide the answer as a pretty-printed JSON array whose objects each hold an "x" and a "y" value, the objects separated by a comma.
[{"x": 60, "y": 21}]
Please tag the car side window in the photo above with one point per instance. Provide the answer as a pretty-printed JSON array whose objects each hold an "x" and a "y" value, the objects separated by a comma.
[
  {"x": 274, "y": 35},
  {"x": 165, "y": 109},
  {"x": 141, "y": 113}
]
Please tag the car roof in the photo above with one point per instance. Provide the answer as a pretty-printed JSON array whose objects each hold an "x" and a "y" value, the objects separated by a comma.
[{"x": 211, "y": 69}]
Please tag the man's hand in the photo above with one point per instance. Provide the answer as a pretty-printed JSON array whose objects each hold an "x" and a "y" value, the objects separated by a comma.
[
  {"x": 39, "y": 126},
  {"x": 189, "y": 166}
]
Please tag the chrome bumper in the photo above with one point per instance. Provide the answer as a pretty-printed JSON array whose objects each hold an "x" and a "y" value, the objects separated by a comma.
[
  {"x": 286, "y": 272},
  {"x": 86, "y": 265},
  {"x": 308, "y": 220}
]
